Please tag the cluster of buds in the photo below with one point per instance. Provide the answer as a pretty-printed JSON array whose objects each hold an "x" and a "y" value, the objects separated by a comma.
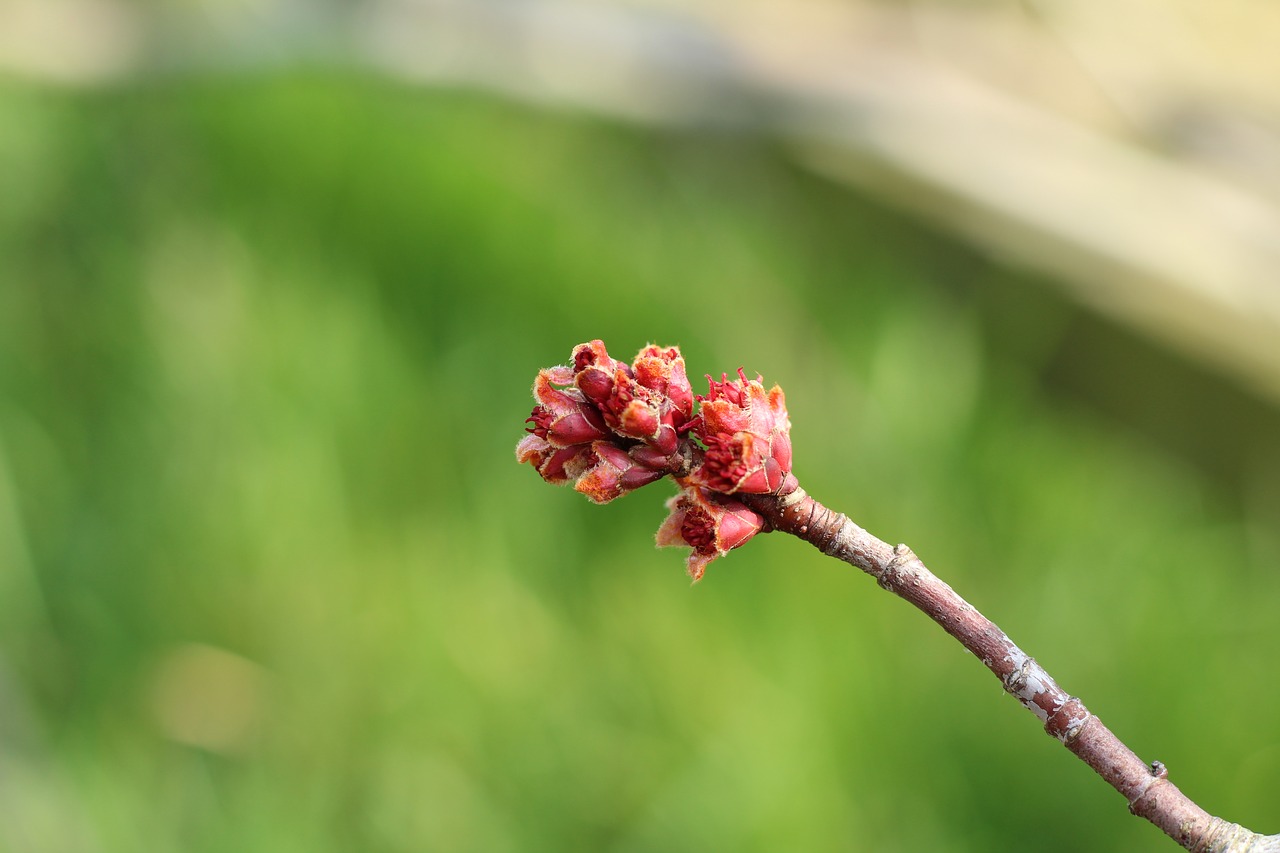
[{"x": 610, "y": 428}]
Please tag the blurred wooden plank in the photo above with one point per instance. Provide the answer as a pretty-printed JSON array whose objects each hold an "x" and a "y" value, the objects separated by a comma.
[
  {"x": 68, "y": 41},
  {"x": 1016, "y": 146},
  {"x": 1177, "y": 251}
]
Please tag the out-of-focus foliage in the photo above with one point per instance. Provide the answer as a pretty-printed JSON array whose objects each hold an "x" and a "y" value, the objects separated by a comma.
[{"x": 271, "y": 579}]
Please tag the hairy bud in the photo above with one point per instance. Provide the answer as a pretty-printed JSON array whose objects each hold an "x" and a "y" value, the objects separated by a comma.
[
  {"x": 609, "y": 428},
  {"x": 708, "y": 524},
  {"x": 746, "y": 432}
]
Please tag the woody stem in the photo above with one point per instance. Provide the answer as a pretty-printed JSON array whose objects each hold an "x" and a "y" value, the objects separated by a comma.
[{"x": 1146, "y": 787}]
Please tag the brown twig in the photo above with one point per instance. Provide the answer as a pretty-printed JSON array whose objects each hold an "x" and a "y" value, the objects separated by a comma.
[
  {"x": 1146, "y": 787},
  {"x": 610, "y": 428}
]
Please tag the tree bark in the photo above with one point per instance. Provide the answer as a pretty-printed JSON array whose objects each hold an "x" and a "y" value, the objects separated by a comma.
[{"x": 1146, "y": 787}]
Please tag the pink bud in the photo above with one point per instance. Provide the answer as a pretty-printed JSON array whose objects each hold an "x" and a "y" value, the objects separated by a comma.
[
  {"x": 556, "y": 465},
  {"x": 746, "y": 432},
  {"x": 663, "y": 371},
  {"x": 612, "y": 472},
  {"x": 629, "y": 409},
  {"x": 595, "y": 371},
  {"x": 708, "y": 524},
  {"x": 611, "y": 427},
  {"x": 563, "y": 417}
]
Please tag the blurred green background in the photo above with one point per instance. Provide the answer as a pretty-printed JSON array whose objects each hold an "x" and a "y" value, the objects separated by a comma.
[{"x": 271, "y": 579}]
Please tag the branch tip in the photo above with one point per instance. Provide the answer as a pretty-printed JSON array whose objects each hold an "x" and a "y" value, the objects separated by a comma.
[{"x": 610, "y": 427}]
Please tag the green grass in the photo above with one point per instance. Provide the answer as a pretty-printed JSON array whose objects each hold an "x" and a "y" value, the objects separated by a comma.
[{"x": 271, "y": 580}]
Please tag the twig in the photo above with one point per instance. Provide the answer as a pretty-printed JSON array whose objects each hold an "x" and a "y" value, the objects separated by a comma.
[
  {"x": 610, "y": 428},
  {"x": 1146, "y": 787}
]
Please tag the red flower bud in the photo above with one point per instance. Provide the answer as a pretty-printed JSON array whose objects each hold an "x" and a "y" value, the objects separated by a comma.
[
  {"x": 556, "y": 465},
  {"x": 663, "y": 371},
  {"x": 563, "y": 417},
  {"x": 612, "y": 473},
  {"x": 634, "y": 411},
  {"x": 610, "y": 428},
  {"x": 746, "y": 432},
  {"x": 607, "y": 433},
  {"x": 708, "y": 524},
  {"x": 650, "y": 401},
  {"x": 594, "y": 370}
]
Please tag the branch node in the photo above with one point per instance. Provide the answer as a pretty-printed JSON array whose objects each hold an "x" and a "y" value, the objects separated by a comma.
[
  {"x": 888, "y": 577},
  {"x": 1068, "y": 722},
  {"x": 1159, "y": 774},
  {"x": 1016, "y": 681},
  {"x": 1222, "y": 835},
  {"x": 824, "y": 527},
  {"x": 792, "y": 497}
]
